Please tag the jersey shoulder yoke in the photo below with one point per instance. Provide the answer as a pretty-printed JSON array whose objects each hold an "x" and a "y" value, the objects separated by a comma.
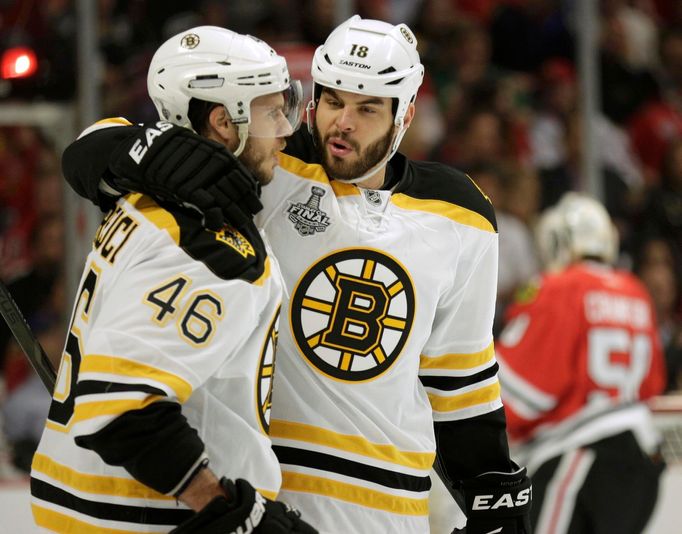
[
  {"x": 439, "y": 188},
  {"x": 229, "y": 253}
]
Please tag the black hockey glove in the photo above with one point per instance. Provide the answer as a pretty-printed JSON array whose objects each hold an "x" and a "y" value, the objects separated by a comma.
[
  {"x": 173, "y": 163},
  {"x": 246, "y": 511},
  {"x": 498, "y": 502},
  {"x": 280, "y": 518}
]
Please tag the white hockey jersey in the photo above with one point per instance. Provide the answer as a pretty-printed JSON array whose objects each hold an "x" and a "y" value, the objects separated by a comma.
[
  {"x": 167, "y": 312},
  {"x": 388, "y": 329}
]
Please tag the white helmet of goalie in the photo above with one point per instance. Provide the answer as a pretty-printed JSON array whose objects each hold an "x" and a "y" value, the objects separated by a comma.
[
  {"x": 551, "y": 240},
  {"x": 218, "y": 65},
  {"x": 589, "y": 229},
  {"x": 373, "y": 58}
]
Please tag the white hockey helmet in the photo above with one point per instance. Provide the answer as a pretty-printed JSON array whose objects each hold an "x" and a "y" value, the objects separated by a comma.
[
  {"x": 551, "y": 240},
  {"x": 373, "y": 58},
  {"x": 218, "y": 65},
  {"x": 589, "y": 229}
]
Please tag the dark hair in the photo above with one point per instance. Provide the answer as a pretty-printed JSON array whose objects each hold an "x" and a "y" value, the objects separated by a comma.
[{"x": 198, "y": 113}]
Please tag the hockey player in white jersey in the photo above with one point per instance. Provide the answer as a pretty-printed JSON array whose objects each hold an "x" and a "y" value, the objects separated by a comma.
[
  {"x": 161, "y": 408},
  {"x": 386, "y": 361}
]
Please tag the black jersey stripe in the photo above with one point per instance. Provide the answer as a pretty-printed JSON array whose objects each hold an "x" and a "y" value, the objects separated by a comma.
[
  {"x": 451, "y": 383},
  {"x": 107, "y": 511},
  {"x": 94, "y": 387},
  {"x": 349, "y": 468}
]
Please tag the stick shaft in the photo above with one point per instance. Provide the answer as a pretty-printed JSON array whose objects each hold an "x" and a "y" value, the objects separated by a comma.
[{"x": 27, "y": 341}]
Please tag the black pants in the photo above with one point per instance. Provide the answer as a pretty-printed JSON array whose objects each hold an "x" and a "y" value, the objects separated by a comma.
[{"x": 608, "y": 487}]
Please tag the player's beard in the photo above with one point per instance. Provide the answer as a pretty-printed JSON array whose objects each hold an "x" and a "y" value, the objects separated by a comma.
[
  {"x": 339, "y": 169},
  {"x": 255, "y": 162}
]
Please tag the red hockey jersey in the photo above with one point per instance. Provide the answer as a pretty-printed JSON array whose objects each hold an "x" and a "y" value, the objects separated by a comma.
[{"x": 578, "y": 353}]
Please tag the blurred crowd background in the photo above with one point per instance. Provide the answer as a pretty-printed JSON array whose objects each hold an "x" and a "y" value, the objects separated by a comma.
[{"x": 500, "y": 101}]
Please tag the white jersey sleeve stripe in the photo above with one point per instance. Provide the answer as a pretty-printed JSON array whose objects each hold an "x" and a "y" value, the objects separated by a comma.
[{"x": 523, "y": 391}]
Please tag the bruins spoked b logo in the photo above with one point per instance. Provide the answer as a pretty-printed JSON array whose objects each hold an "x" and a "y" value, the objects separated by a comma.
[
  {"x": 352, "y": 312},
  {"x": 266, "y": 371}
]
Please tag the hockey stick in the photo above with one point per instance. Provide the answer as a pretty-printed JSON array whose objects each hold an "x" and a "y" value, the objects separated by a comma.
[{"x": 27, "y": 341}]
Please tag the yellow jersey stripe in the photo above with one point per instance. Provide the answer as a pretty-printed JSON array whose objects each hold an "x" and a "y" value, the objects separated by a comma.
[
  {"x": 453, "y": 212},
  {"x": 155, "y": 214},
  {"x": 349, "y": 443},
  {"x": 90, "y": 410},
  {"x": 309, "y": 171},
  {"x": 272, "y": 495},
  {"x": 266, "y": 273},
  {"x": 57, "y": 522},
  {"x": 98, "y": 363},
  {"x": 101, "y": 485},
  {"x": 343, "y": 190},
  {"x": 104, "y": 123},
  {"x": 115, "y": 120},
  {"x": 354, "y": 494},
  {"x": 458, "y": 361},
  {"x": 315, "y": 172},
  {"x": 465, "y": 400}
]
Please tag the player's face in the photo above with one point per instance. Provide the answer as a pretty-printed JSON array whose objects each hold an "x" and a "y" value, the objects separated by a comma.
[
  {"x": 267, "y": 132},
  {"x": 353, "y": 132}
]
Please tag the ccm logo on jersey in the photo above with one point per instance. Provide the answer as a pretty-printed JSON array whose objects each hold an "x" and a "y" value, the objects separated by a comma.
[
  {"x": 139, "y": 149},
  {"x": 484, "y": 502}
]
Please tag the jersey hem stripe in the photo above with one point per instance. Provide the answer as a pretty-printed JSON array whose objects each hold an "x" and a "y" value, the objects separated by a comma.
[
  {"x": 349, "y": 468},
  {"x": 353, "y": 494},
  {"x": 134, "y": 515},
  {"x": 57, "y": 522},
  {"x": 97, "y": 484},
  {"x": 354, "y": 444}
]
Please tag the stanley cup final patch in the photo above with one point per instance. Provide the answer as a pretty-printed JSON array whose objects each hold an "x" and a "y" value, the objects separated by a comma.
[{"x": 307, "y": 217}]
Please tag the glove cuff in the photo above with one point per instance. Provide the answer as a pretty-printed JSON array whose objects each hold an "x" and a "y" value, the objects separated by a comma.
[{"x": 498, "y": 495}]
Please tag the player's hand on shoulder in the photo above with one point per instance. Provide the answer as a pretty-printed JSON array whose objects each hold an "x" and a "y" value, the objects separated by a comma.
[
  {"x": 498, "y": 503},
  {"x": 173, "y": 163},
  {"x": 245, "y": 510}
]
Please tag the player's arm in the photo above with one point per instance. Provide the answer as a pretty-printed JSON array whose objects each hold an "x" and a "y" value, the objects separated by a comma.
[
  {"x": 536, "y": 354},
  {"x": 169, "y": 162},
  {"x": 159, "y": 448},
  {"x": 459, "y": 373}
]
